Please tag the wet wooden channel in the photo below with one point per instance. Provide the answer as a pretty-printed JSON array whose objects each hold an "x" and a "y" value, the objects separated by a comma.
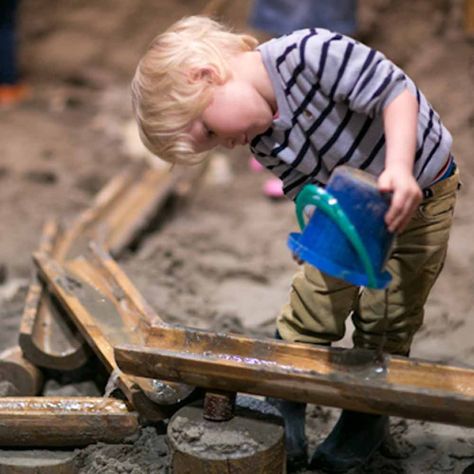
[
  {"x": 108, "y": 311},
  {"x": 113, "y": 317},
  {"x": 351, "y": 379},
  {"x": 55, "y": 336},
  {"x": 120, "y": 211}
]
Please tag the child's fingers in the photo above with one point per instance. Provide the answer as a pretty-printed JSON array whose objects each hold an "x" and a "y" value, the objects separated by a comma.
[
  {"x": 395, "y": 212},
  {"x": 405, "y": 199},
  {"x": 384, "y": 184},
  {"x": 401, "y": 212},
  {"x": 297, "y": 259}
]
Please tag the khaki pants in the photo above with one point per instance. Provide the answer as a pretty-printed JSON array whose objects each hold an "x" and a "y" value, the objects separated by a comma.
[{"x": 319, "y": 304}]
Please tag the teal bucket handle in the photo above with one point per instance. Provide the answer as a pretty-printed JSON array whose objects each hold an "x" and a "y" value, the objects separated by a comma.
[{"x": 319, "y": 197}]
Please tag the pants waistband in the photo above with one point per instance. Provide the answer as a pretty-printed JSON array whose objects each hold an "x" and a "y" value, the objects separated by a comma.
[{"x": 442, "y": 185}]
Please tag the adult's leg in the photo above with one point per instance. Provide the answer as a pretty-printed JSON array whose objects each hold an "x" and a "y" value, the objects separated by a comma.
[{"x": 278, "y": 17}]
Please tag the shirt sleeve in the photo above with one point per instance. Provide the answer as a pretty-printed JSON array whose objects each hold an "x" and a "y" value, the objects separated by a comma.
[{"x": 347, "y": 70}]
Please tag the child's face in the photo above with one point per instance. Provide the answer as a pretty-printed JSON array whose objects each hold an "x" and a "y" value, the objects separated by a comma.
[{"x": 236, "y": 114}]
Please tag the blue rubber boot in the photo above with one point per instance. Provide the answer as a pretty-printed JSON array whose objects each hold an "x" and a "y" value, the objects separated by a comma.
[
  {"x": 469, "y": 469},
  {"x": 353, "y": 440},
  {"x": 293, "y": 414}
]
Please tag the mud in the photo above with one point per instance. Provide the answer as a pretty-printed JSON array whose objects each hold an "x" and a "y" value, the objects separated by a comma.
[{"x": 144, "y": 454}]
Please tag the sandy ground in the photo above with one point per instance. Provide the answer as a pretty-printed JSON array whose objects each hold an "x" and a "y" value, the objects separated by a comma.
[{"x": 221, "y": 261}]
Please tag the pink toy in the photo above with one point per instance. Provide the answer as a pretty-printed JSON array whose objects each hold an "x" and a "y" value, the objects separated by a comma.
[
  {"x": 254, "y": 165},
  {"x": 273, "y": 188}
]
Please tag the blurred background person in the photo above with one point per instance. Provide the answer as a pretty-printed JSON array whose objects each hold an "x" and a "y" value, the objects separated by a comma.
[
  {"x": 11, "y": 89},
  {"x": 277, "y": 17}
]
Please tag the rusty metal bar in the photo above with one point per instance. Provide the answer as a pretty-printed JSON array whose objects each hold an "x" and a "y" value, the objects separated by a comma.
[
  {"x": 350, "y": 379},
  {"x": 119, "y": 212},
  {"x": 219, "y": 406},
  {"x": 55, "y": 421},
  {"x": 107, "y": 309}
]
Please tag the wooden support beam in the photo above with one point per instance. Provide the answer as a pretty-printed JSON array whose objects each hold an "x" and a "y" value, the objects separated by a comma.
[
  {"x": 20, "y": 376},
  {"x": 107, "y": 309},
  {"x": 37, "y": 461},
  {"x": 118, "y": 214},
  {"x": 350, "y": 379},
  {"x": 57, "y": 421},
  {"x": 200, "y": 446},
  {"x": 468, "y": 17}
]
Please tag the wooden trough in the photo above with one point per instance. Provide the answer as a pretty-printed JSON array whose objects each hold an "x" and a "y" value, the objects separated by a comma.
[
  {"x": 336, "y": 377},
  {"x": 47, "y": 338},
  {"x": 113, "y": 318},
  {"x": 120, "y": 211},
  {"x": 108, "y": 311}
]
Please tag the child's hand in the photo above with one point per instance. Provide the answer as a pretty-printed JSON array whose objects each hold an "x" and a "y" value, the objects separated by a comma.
[{"x": 406, "y": 197}]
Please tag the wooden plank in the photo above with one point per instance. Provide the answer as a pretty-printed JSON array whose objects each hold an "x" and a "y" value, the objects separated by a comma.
[
  {"x": 350, "y": 379},
  {"x": 59, "y": 421},
  {"x": 199, "y": 446},
  {"x": 106, "y": 315}
]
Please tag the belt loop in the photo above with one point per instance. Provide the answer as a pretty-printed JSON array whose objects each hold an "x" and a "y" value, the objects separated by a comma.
[{"x": 427, "y": 193}]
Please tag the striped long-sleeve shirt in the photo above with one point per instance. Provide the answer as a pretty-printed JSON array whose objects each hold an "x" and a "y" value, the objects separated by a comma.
[{"x": 331, "y": 91}]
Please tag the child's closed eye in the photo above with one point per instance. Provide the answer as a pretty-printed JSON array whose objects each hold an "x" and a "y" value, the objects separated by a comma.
[{"x": 208, "y": 132}]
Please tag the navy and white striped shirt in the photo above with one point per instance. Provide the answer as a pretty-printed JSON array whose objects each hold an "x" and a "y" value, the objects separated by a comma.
[{"x": 331, "y": 91}]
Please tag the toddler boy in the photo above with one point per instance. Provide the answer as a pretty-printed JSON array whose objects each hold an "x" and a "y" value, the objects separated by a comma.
[{"x": 306, "y": 103}]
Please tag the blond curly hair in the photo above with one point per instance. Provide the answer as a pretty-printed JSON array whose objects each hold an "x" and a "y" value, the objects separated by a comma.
[{"x": 169, "y": 89}]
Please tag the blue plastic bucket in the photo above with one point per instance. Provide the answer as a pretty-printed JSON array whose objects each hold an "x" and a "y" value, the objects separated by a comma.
[{"x": 346, "y": 236}]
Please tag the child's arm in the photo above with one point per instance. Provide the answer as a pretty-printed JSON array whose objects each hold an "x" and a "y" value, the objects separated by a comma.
[{"x": 400, "y": 125}]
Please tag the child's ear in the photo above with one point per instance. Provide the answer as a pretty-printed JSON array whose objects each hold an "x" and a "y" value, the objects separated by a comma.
[{"x": 206, "y": 74}]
